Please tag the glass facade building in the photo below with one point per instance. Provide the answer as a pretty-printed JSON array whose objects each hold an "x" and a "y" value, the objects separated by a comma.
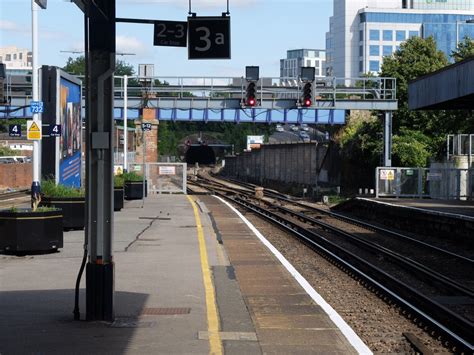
[{"x": 363, "y": 32}]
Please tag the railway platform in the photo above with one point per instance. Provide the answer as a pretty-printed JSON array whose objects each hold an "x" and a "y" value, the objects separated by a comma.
[
  {"x": 192, "y": 277},
  {"x": 452, "y": 219}
]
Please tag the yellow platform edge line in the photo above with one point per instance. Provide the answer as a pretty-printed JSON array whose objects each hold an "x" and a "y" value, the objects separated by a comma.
[{"x": 215, "y": 342}]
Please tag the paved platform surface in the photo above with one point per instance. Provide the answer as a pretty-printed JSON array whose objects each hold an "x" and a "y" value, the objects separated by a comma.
[
  {"x": 162, "y": 299},
  {"x": 465, "y": 208}
]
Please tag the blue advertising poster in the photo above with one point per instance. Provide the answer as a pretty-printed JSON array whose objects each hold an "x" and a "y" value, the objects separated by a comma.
[{"x": 70, "y": 140}]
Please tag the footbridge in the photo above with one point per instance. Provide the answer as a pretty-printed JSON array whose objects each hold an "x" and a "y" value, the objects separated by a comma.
[{"x": 218, "y": 99}]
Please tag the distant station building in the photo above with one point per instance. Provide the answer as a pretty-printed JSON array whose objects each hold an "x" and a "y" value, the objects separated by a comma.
[
  {"x": 363, "y": 32},
  {"x": 297, "y": 58}
]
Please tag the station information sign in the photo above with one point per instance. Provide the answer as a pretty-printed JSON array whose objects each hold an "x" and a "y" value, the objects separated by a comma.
[
  {"x": 209, "y": 37},
  {"x": 14, "y": 130},
  {"x": 146, "y": 126},
  {"x": 170, "y": 33}
]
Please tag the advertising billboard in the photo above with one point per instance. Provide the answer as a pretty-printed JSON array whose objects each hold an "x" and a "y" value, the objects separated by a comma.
[{"x": 62, "y": 155}]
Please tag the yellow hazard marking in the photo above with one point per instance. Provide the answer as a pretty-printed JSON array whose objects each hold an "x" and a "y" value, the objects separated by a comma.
[
  {"x": 215, "y": 342},
  {"x": 34, "y": 127}
]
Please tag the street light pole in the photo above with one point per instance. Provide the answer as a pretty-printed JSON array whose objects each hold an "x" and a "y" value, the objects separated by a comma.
[
  {"x": 35, "y": 186},
  {"x": 125, "y": 123}
]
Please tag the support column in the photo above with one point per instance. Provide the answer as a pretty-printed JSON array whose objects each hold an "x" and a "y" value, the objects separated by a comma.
[
  {"x": 387, "y": 134},
  {"x": 151, "y": 137},
  {"x": 100, "y": 66}
]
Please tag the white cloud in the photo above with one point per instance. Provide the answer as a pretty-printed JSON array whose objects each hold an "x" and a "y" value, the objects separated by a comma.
[
  {"x": 10, "y": 26},
  {"x": 127, "y": 44}
]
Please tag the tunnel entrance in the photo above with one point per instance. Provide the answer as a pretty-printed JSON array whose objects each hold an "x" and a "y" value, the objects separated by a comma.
[{"x": 202, "y": 154}]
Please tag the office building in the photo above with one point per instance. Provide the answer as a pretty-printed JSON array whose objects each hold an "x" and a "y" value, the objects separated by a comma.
[
  {"x": 297, "y": 58},
  {"x": 363, "y": 32},
  {"x": 16, "y": 58}
]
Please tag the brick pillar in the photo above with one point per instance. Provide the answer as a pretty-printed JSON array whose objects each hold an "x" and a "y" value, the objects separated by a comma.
[{"x": 149, "y": 116}]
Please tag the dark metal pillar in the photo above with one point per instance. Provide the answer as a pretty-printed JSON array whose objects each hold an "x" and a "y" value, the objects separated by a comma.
[
  {"x": 100, "y": 64},
  {"x": 387, "y": 133}
]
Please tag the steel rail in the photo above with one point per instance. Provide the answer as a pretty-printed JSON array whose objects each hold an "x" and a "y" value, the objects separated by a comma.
[
  {"x": 412, "y": 265},
  {"x": 358, "y": 222},
  {"x": 452, "y": 325}
]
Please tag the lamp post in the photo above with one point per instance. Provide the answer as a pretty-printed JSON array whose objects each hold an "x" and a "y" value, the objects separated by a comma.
[{"x": 35, "y": 186}]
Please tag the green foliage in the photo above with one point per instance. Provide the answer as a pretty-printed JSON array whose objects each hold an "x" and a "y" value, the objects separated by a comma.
[
  {"x": 465, "y": 50},
  {"x": 132, "y": 176},
  {"x": 118, "y": 180},
  {"x": 5, "y": 151},
  {"x": 50, "y": 189},
  {"x": 77, "y": 66},
  {"x": 15, "y": 209},
  {"x": 416, "y": 58},
  {"x": 411, "y": 149}
]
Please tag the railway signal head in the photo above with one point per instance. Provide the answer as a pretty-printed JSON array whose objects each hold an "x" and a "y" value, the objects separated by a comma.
[
  {"x": 307, "y": 99},
  {"x": 250, "y": 94}
]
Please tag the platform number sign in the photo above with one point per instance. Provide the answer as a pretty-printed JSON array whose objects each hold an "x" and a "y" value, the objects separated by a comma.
[
  {"x": 170, "y": 33},
  {"x": 146, "y": 126},
  {"x": 209, "y": 37},
  {"x": 55, "y": 130},
  {"x": 14, "y": 130},
  {"x": 36, "y": 106}
]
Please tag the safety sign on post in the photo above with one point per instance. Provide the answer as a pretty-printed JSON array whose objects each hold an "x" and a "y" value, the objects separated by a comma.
[
  {"x": 33, "y": 130},
  {"x": 387, "y": 174}
]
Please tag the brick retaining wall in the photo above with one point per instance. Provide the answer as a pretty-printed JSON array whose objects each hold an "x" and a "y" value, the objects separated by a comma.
[{"x": 16, "y": 175}]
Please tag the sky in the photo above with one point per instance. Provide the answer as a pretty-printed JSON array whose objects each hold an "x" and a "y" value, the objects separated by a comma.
[{"x": 261, "y": 32}]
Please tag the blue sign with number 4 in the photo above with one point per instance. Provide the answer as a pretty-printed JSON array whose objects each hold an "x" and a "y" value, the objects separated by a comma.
[
  {"x": 14, "y": 130},
  {"x": 55, "y": 130}
]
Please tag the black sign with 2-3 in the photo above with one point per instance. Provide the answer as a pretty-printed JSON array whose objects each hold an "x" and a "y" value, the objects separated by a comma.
[
  {"x": 14, "y": 130},
  {"x": 55, "y": 130},
  {"x": 209, "y": 37},
  {"x": 170, "y": 33},
  {"x": 146, "y": 126}
]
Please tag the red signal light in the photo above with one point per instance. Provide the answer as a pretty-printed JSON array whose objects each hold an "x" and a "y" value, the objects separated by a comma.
[
  {"x": 307, "y": 102},
  {"x": 251, "y": 102}
]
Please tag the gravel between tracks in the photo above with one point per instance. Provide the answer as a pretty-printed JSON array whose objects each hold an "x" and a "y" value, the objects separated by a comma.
[{"x": 379, "y": 324}]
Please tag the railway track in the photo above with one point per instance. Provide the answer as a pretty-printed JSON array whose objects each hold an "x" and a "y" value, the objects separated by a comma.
[
  {"x": 15, "y": 198},
  {"x": 438, "y": 297}
]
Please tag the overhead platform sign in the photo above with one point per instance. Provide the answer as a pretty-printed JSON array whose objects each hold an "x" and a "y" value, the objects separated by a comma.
[{"x": 33, "y": 130}]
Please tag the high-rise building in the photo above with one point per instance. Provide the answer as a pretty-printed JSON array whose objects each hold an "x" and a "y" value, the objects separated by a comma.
[
  {"x": 362, "y": 32},
  {"x": 297, "y": 58}
]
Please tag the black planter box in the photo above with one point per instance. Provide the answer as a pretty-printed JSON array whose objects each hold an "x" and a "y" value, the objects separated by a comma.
[
  {"x": 134, "y": 190},
  {"x": 73, "y": 209},
  {"x": 118, "y": 198},
  {"x": 26, "y": 231}
]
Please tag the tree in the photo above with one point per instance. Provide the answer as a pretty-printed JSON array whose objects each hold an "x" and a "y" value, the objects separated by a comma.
[
  {"x": 464, "y": 50},
  {"x": 77, "y": 66}
]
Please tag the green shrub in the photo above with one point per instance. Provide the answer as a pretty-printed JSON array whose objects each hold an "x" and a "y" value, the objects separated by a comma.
[
  {"x": 132, "y": 176},
  {"x": 50, "y": 189},
  {"x": 118, "y": 180}
]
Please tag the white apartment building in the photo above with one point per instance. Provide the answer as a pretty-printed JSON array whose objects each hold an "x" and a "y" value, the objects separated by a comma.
[
  {"x": 363, "y": 32},
  {"x": 16, "y": 58},
  {"x": 297, "y": 58}
]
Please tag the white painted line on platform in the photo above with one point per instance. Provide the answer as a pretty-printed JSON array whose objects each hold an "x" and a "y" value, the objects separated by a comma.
[{"x": 348, "y": 332}]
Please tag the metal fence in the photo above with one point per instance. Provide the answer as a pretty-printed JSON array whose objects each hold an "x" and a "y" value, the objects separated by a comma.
[
  {"x": 163, "y": 177},
  {"x": 436, "y": 183}
]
